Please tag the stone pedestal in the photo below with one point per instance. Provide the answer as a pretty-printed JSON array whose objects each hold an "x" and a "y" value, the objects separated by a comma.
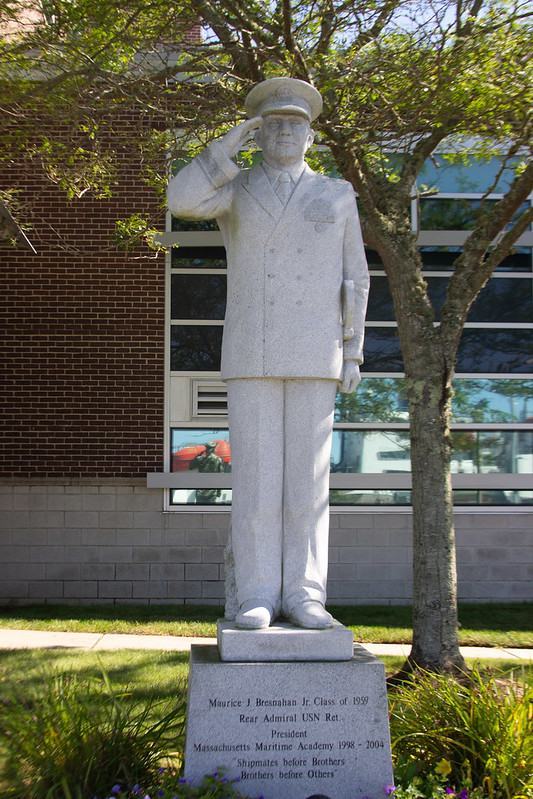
[
  {"x": 283, "y": 641},
  {"x": 289, "y": 730}
]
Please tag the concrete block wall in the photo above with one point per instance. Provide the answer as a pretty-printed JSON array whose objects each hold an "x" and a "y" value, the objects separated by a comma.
[{"x": 111, "y": 542}]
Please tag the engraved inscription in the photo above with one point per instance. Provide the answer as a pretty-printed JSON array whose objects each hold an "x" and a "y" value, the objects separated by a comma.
[{"x": 293, "y": 739}]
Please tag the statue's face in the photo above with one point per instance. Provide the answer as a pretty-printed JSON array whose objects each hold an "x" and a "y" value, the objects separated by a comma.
[{"x": 284, "y": 139}]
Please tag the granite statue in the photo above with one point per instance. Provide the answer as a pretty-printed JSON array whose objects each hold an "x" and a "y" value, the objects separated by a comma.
[{"x": 293, "y": 334}]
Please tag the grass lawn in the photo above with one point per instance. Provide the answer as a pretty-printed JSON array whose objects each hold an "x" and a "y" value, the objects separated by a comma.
[
  {"x": 481, "y": 625},
  {"x": 145, "y": 672}
]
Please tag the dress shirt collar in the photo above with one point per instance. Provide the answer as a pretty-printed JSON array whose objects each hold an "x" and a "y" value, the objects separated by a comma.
[{"x": 273, "y": 172}]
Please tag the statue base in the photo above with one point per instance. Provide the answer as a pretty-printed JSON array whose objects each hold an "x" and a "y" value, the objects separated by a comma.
[
  {"x": 290, "y": 729},
  {"x": 283, "y": 641}
]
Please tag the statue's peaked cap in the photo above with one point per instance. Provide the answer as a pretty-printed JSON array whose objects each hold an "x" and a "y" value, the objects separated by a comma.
[{"x": 284, "y": 96}]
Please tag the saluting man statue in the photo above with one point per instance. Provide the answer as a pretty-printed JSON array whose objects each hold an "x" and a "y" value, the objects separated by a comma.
[{"x": 297, "y": 293}]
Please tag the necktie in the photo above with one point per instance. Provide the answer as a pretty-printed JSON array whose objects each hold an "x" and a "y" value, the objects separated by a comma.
[{"x": 284, "y": 187}]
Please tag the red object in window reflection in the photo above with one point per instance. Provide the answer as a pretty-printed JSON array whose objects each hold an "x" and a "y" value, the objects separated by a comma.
[{"x": 182, "y": 457}]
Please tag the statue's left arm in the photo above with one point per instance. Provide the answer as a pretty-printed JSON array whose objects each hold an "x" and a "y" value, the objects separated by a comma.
[{"x": 355, "y": 270}]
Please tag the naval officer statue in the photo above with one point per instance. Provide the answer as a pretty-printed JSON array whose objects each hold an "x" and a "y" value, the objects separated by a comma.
[{"x": 293, "y": 333}]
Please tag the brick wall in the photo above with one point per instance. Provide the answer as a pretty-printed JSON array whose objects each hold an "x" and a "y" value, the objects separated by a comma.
[
  {"x": 83, "y": 336},
  {"x": 111, "y": 543}
]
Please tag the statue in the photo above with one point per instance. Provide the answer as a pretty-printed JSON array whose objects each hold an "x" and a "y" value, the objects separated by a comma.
[{"x": 297, "y": 293}]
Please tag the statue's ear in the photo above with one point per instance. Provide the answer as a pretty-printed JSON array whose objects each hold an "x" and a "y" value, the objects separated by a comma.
[
  {"x": 258, "y": 138},
  {"x": 310, "y": 139}
]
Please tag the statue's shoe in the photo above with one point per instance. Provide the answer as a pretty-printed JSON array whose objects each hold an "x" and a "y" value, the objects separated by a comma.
[
  {"x": 254, "y": 614},
  {"x": 310, "y": 614}
]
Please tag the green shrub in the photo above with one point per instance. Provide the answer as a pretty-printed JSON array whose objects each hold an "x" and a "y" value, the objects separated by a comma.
[
  {"x": 74, "y": 738},
  {"x": 476, "y": 733}
]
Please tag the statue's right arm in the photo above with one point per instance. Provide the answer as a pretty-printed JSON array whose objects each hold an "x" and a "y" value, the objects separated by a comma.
[{"x": 201, "y": 189}]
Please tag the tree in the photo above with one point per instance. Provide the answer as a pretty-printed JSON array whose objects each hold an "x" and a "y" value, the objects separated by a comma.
[{"x": 399, "y": 79}]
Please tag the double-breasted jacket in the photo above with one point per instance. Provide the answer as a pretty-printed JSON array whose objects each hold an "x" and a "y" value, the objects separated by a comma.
[{"x": 286, "y": 266}]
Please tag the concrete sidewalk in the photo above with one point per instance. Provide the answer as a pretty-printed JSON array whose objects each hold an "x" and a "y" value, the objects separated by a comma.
[{"x": 97, "y": 642}]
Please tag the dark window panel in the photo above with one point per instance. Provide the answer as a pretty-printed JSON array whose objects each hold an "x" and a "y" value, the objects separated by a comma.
[
  {"x": 180, "y": 225},
  {"x": 198, "y": 258},
  {"x": 195, "y": 348},
  {"x": 444, "y": 257},
  {"x": 501, "y": 300},
  {"x": 495, "y": 351},
  {"x": 198, "y": 296},
  {"x": 382, "y": 350},
  {"x": 380, "y": 307}
]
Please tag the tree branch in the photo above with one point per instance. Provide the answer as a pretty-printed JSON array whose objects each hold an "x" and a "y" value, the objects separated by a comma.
[{"x": 472, "y": 269}]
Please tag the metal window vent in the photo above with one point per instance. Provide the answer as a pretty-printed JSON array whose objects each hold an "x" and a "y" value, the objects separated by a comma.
[{"x": 209, "y": 398}]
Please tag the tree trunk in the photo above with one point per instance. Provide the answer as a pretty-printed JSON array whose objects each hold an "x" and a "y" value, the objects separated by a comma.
[
  {"x": 429, "y": 367},
  {"x": 435, "y": 622}
]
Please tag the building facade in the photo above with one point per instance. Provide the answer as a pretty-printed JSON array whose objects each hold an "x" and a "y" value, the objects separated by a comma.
[{"x": 112, "y": 390}]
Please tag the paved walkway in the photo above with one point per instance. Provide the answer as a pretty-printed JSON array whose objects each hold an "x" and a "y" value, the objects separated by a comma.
[{"x": 96, "y": 642}]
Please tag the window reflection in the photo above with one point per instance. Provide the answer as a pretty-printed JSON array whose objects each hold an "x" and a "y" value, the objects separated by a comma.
[
  {"x": 501, "y": 300},
  {"x": 519, "y": 260},
  {"x": 495, "y": 351},
  {"x": 195, "y": 348},
  {"x": 456, "y": 214},
  {"x": 198, "y": 258},
  {"x": 382, "y": 350},
  {"x": 473, "y": 452},
  {"x": 201, "y": 451},
  {"x": 179, "y": 225},
  {"x": 198, "y": 296},
  {"x": 378, "y": 399},
  {"x": 486, "y": 401},
  {"x": 460, "y": 497},
  {"x": 383, "y": 399}
]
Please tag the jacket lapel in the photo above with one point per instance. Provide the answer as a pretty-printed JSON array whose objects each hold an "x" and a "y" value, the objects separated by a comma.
[
  {"x": 308, "y": 189},
  {"x": 258, "y": 185}
]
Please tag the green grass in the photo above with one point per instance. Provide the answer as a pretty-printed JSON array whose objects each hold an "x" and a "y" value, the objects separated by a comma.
[
  {"x": 147, "y": 670},
  {"x": 481, "y": 625}
]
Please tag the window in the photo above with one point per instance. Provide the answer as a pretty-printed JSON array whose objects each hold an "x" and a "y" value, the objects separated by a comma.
[{"x": 492, "y": 410}]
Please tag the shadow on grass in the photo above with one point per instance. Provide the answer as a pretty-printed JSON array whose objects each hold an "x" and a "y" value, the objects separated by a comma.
[
  {"x": 146, "y": 673},
  {"x": 492, "y": 624}
]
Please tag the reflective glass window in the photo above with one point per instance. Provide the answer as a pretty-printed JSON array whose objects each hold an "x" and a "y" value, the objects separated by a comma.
[
  {"x": 500, "y": 300},
  {"x": 377, "y": 399},
  {"x": 198, "y": 296},
  {"x": 443, "y": 258},
  {"x": 383, "y": 399},
  {"x": 195, "y": 347},
  {"x": 179, "y": 225},
  {"x": 474, "y": 451},
  {"x": 401, "y": 497},
  {"x": 370, "y": 451},
  {"x": 454, "y": 213},
  {"x": 495, "y": 351},
  {"x": 489, "y": 451},
  {"x": 200, "y": 450},
  {"x": 369, "y": 496},
  {"x": 465, "y": 174},
  {"x": 382, "y": 350},
  {"x": 198, "y": 258},
  {"x": 492, "y": 401}
]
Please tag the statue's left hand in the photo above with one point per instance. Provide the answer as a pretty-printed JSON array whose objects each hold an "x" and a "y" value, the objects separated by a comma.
[{"x": 351, "y": 377}]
